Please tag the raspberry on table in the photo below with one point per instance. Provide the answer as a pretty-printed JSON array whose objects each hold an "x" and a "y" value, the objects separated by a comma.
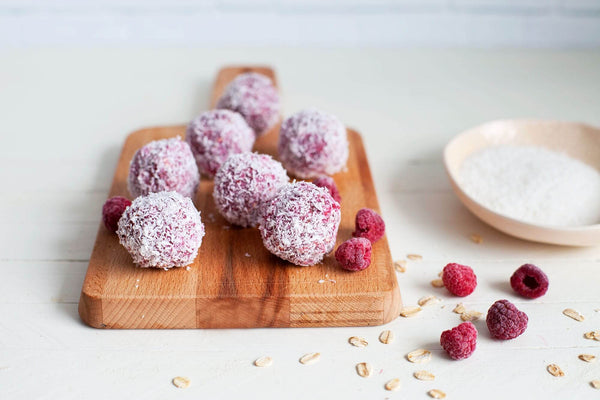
[
  {"x": 505, "y": 321},
  {"x": 328, "y": 183},
  {"x": 459, "y": 279},
  {"x": 529, "y": 281},
  {"x": 354, "y": 254},
  {"x": 369, "y": 224},
  {"x": 460, "y": 341},
  {"x": 112, "y": 210}
]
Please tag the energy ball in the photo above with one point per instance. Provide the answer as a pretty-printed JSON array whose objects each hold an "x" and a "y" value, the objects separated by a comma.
[
  {"x": 163, "y": 165},
  {"x": 243, "y": 183},
  {"x": 255, "y": 97},
  {"x": 161, "y": 230},
  {"x": 313, "y": 143},
  {"x": 300, "y": 223},
  {"x": 215, "y": 135}
]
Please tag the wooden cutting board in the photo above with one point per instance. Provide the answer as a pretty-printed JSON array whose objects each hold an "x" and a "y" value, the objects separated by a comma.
[{"x": 235, "y": 282}]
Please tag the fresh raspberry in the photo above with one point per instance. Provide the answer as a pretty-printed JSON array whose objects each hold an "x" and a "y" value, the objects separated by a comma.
[
  {"x": 369, "y": 225},
  {"x": 529, "y": 281},
  {"x": 505, "y": 321},
  {"x": 354, "y": 254},
  {"x": 328, "y": 183},
  {"x": 112, "y": 211},
  {"x": 460, "y": 341},
  {"x": 459, "y": 279}
]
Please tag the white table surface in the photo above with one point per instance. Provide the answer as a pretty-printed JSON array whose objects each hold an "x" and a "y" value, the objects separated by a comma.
[{"x": 64, "y": 114}]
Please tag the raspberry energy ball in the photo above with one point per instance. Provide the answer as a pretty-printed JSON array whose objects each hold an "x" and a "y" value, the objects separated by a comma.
[
  {"x": 163, "y": 165},
  {"x": 300, "y": 223},
  {"x": 313, "y": 143},
  {"x": 112, "y": 210},
  {"x": 368, "y": 224},
  {"x": 254, "y": 96},
  {"x": 460, "y": 341},
  {"x": 328, "y": 183},
  {"x": 505, "y": 321},
  {"x": 460, "y": 280},
  {"x": 354, "y": 254},
  {"x": 529, "y": 281},
  {"x": 216, "y": 134},
  {"x": 161, "y": 230},
  {"x": 243, "y": 183}
]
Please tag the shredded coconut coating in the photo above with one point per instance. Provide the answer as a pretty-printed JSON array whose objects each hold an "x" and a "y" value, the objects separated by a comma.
[
  {"x": 313, "y": 143},
  {"x": 300, "y": 223},
  {"x": 215, "y": 135},
  {"x": 254, "y": 96},
  {"x": 163, "y": 165},
  {"x": 243, "y": 183},
  {"x": 161, "y": 230}
]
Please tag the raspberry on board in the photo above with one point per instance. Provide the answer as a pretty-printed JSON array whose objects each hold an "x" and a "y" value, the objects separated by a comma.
[
  {"x": 459, "y": 279},
  {"x": 369, "y": 224},
  {"x": 328, "y": 183},
  {"x": 505, "y": 321},
  {"x": 529, "y": 281},
  {"x": 460, "y": 341},
  {"x": 112, "y": 210},
  {"x": 354, "y": 254}
]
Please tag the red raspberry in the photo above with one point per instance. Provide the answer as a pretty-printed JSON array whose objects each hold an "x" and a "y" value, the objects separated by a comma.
[
  {"x": 112, "y": 211},
  {"x": 369, "y": 225},
  {"x": 460, "y": 341},
  {"x": 328, "y": 183},
  {"x": 505, "y": 321},
  {"x": 529, "y": 281},
  {"x": 354, "y": 254},
  {"x": 459, "y": 279}
]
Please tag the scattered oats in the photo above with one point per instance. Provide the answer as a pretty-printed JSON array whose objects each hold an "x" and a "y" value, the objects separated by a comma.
[
  {"x": 410, "y": 311},
  {"x": 424, "y": 375},
  {"x": 187, "y": 268},
  {"x": 364, "y": 369},
  {"x": 419, "y": 356},
  {"x": 310, "y": 358},
  {"x": 569, "y": 312},
  {"x": 555, "y": 370},
  {"x": 436, "y": 394},
  {"x": 470, "y": 315},
  {"x": 181, "y": 382},
  {"x": 459, "y": 309},
  {"x": 357, "y": 341},
  {"x": 587, "y": 357},
  {"x": 400, "y": 266},
  {"x": 321, "y": 280},
  {"x": 386, "y": 337},
  {"x": 414, "y": 257},
  {"x": 475, "y": 238},
  {"x": 427, "y": 300},
  {"x": 247, "y": 254},
  {"x": 393, "y": 385},
  {"x": 595, "y": 383},
  {"x": 137, "y": 286},
  {"x": 593, "y": 335},
  {"x": 143, "y": 315},
  {"x": 438, "y": 283},
  {"x": 265, "y": 361}
]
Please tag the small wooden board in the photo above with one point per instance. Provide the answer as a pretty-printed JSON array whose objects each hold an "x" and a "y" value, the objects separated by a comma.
[{"x": 235, "y": 282}]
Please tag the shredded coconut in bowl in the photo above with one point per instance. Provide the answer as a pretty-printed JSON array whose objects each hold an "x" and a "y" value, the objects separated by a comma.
[{"x": 533, "y": 184}]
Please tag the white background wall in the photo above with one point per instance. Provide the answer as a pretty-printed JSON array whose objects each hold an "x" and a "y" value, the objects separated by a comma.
[{"x": 478, "y": 23}]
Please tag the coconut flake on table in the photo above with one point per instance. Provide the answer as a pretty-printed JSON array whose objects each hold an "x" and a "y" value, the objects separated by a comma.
[{"x": 533, "y": 184}]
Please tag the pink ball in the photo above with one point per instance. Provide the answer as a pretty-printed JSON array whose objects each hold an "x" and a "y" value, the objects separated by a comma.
[
  {"x": 215, "y": 135},
  {"x": 313, "y": 143},
  {"x": 254, "y": 96},
  {"x": 161, "y": 230},
  {"x": 163, "y": 165},
  {"x": 300, "y": 223},
  {"x": 243, "y": 183}
]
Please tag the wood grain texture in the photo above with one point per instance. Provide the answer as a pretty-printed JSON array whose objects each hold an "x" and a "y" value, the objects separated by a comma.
[{"x": 235, "y": 282}]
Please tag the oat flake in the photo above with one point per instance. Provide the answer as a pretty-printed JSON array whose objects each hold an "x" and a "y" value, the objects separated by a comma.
[
  {"x": 364, "y": 369},
  {"x": 393, "y": 385},
  {"x": 386, "y": 337},
  {"x": 358, "y": 341},
  {"x": 419, "y": 356},
  {"x": 181, "y": 382},
  {"x": 310, "y": 358}
]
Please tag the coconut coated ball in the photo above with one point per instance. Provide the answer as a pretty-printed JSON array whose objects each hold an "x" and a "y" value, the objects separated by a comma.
[
  {"x": 161, "y": 230},
  {"x": 163, "y": 165},
  {"x": 313, "y": 143},
  {"x": 255, "y": 97},
  {"x": 300, "y": 223},
  {"x": 243, "y": 183},
  {"x": 215, "y": 135}
]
